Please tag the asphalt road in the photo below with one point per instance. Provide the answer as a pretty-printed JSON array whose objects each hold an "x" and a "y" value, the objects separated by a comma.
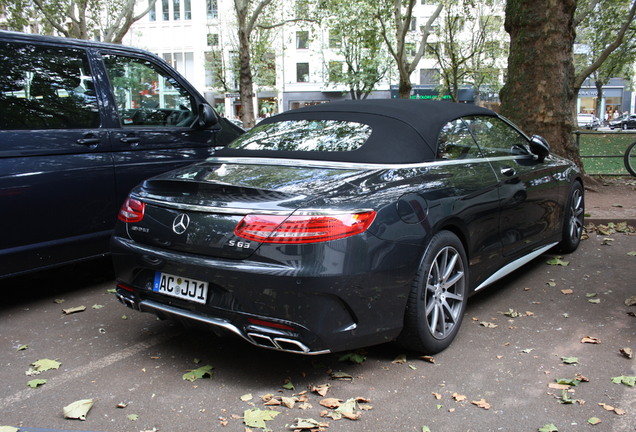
[{"x": 114, "y": 355}]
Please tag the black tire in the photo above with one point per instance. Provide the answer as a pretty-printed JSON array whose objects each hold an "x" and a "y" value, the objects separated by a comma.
[
  {"x": 438, "y": 296},
  {"x": 573, "y": 219},
  {"x": 630, "y": 159}
]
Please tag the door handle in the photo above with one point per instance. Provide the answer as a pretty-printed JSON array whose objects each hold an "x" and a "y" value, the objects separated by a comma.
[
  {"x": 133, "y": 141},
  {"x": 89, "y": 140},
  {"x": 508, "y": 171}
]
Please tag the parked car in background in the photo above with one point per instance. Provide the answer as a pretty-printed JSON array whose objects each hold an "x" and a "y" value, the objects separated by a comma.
[
  {"x": 587, "y": 121},
  {"x": 347, "y": 224},
  {"x": 81, "y": 123},
  {"x": 626, "y": 121}
]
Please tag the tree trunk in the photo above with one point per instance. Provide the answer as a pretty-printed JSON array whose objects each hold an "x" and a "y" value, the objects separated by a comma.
[
  {"x": 246, "y": 84},
  {"x": 600, "y": 113},
  {"x": 405, "y": 86},
  {"x": 538, "y": 95}
]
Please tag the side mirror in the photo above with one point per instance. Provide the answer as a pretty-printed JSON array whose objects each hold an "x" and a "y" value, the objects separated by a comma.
[
  {"x": 206, "y": 117},
  {"x": 540, "y": 147}
]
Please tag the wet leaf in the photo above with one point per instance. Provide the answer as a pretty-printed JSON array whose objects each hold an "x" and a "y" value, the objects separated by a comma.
[
  {"x": 36, "y": 383},
  {"x": 594, "y": 300},
  {"x": 133, "y": 417},
  {"x": 353, "y": 358},
  {"x": 567, "y": 381},
  {"x": 256, "y": 417},
  {"x": 22, "y": 347},
  {"x": 73, "y": 310},
  {"x": 565, "y": 398},
  {"x": 548, "y": 428},
  {"x": 594, "y": 420},
  {"x": 627, "y": 380},
  {"x": 78, "y": 409},
  {"x": 590, "y": 340},
  {"x": 202, "y": 372},
  {"x": 558, "y": 261}
]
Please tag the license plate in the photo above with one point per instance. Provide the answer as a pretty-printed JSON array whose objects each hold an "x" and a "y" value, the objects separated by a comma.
[{"x": 180, "y": 287}]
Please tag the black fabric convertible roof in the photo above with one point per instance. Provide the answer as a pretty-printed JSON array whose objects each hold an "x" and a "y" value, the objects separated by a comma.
[{"x": 403, "y": 130}]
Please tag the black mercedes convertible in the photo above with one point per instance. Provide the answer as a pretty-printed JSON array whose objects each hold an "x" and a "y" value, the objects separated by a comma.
[{"x": 347, "y": 224}]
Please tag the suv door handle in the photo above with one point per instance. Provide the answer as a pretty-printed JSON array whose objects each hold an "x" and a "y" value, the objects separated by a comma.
[
  {"x": 133, "y": 141},
  {"x": 89, "y": 141},
  {"x": 508, "y": 171}
]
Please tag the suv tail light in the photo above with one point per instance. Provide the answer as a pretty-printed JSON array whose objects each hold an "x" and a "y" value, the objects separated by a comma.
[
  {"x": 132, "y": 210},
  {"x": 303, "y": 228}
]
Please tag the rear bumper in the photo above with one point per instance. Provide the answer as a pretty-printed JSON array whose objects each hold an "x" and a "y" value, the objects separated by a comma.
[{"x": 319, "y": 312}]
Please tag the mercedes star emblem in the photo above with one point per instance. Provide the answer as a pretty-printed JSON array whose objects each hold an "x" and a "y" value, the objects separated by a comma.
[{"x": 180, "y": 223}]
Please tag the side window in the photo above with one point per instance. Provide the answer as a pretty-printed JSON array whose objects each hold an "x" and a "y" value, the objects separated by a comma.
[
  {"x": 146, "y": 95},
  {"x": 46, "y": 88},
  {"x": 456, "y": 142},
  {"x": 496, "y": 137}
]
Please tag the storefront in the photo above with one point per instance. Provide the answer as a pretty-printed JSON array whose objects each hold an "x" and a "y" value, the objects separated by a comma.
[{"x": 614, "y": 99}]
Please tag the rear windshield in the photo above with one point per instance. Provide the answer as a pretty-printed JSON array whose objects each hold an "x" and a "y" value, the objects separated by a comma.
[{"x": 305, "y": 135}]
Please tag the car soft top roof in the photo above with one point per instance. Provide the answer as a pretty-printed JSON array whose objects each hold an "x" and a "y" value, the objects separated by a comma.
[{"x": 403, "y": 130}]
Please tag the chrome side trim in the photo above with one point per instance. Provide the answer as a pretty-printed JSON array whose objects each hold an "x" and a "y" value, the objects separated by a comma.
[
  {"x": 301, "y": 163},
  {"x": 509, "y": 268},
  {"x": 277, "y": 343}
]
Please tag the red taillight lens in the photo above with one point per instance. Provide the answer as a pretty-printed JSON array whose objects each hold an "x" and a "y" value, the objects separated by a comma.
[
  {"x": 303, "y": 229},
  {"x": 132, "y": 210}
]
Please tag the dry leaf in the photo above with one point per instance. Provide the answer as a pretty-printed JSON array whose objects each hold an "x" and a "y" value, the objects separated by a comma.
[
  {"x": 401, "y": 359},
  {"x": 331, "y": 402},
  {"x": 567, "y": 291},
  {"x": 458, "y": 397},
  {"x": 437, "y": 396},
  {"x": 321, "y": 389},
  {"x": 428, "y": 359},
  {"x": 74, "y": 310},
  {"x": 627, "y": 352},
  {"x": 482, "y": 404},
  {"x": 590, "y": 340}
]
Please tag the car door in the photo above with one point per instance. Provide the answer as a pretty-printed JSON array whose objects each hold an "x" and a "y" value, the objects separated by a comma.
[
  {"x": 56, "y": 171},
  {"x": 528, "y": 187},
  {"x": 152, "y": 129}
]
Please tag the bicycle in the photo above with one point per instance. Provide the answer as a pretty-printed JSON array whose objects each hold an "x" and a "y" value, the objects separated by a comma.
[{"x": 630, "y": 158}]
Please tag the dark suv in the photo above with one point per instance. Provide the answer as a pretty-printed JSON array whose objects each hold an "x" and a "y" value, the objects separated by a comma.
[{"x": 81, "y": 123}]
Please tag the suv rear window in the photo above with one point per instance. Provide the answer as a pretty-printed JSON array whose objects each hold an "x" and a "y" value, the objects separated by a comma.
[
  {"x": 46, "y": 88},
  {"x": 305, "y": 136}
]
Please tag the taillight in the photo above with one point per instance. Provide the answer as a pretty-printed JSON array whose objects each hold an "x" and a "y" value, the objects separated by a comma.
[
  {"x": 303, "y": 228},
  {"x": 132, "y": 210}
]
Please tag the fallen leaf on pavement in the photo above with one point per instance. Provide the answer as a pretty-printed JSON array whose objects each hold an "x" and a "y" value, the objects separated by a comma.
[
  {"x": 567, "y": 291},
  {"x": 321, "y": 389},
  {"x": 256, "y": 417},
  {"x": 78, "y": 409},
  {"x": 74, "y": 310},
  {"x": 331, "y": 402},
  {"x": 460, "y": 398},
  {"x": 590, "y": 340},
  {"x": 401, "y": 359},
  {"x": 482, "y": 404},
  {"x": 627, "y": 352}
]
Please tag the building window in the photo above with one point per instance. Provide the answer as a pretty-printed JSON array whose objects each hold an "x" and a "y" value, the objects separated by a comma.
[
  {"x": 413, "y": 25},
  {"x": 335, "y": 39},
  {"x": 165, "y": 9},
  {"x": 334, "y": 71},
  {"x": 213, "y": 39},
  {"x": 187, "y": 10},
  {"x": 212, "y": 8},
  {"x": 176, "y": 10},
  {"x": 302, "y": 39},
  {"x": 152, "y": 14},
  {"x": 429, "y": 76},
  {"x": 302, "y": 72}
]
